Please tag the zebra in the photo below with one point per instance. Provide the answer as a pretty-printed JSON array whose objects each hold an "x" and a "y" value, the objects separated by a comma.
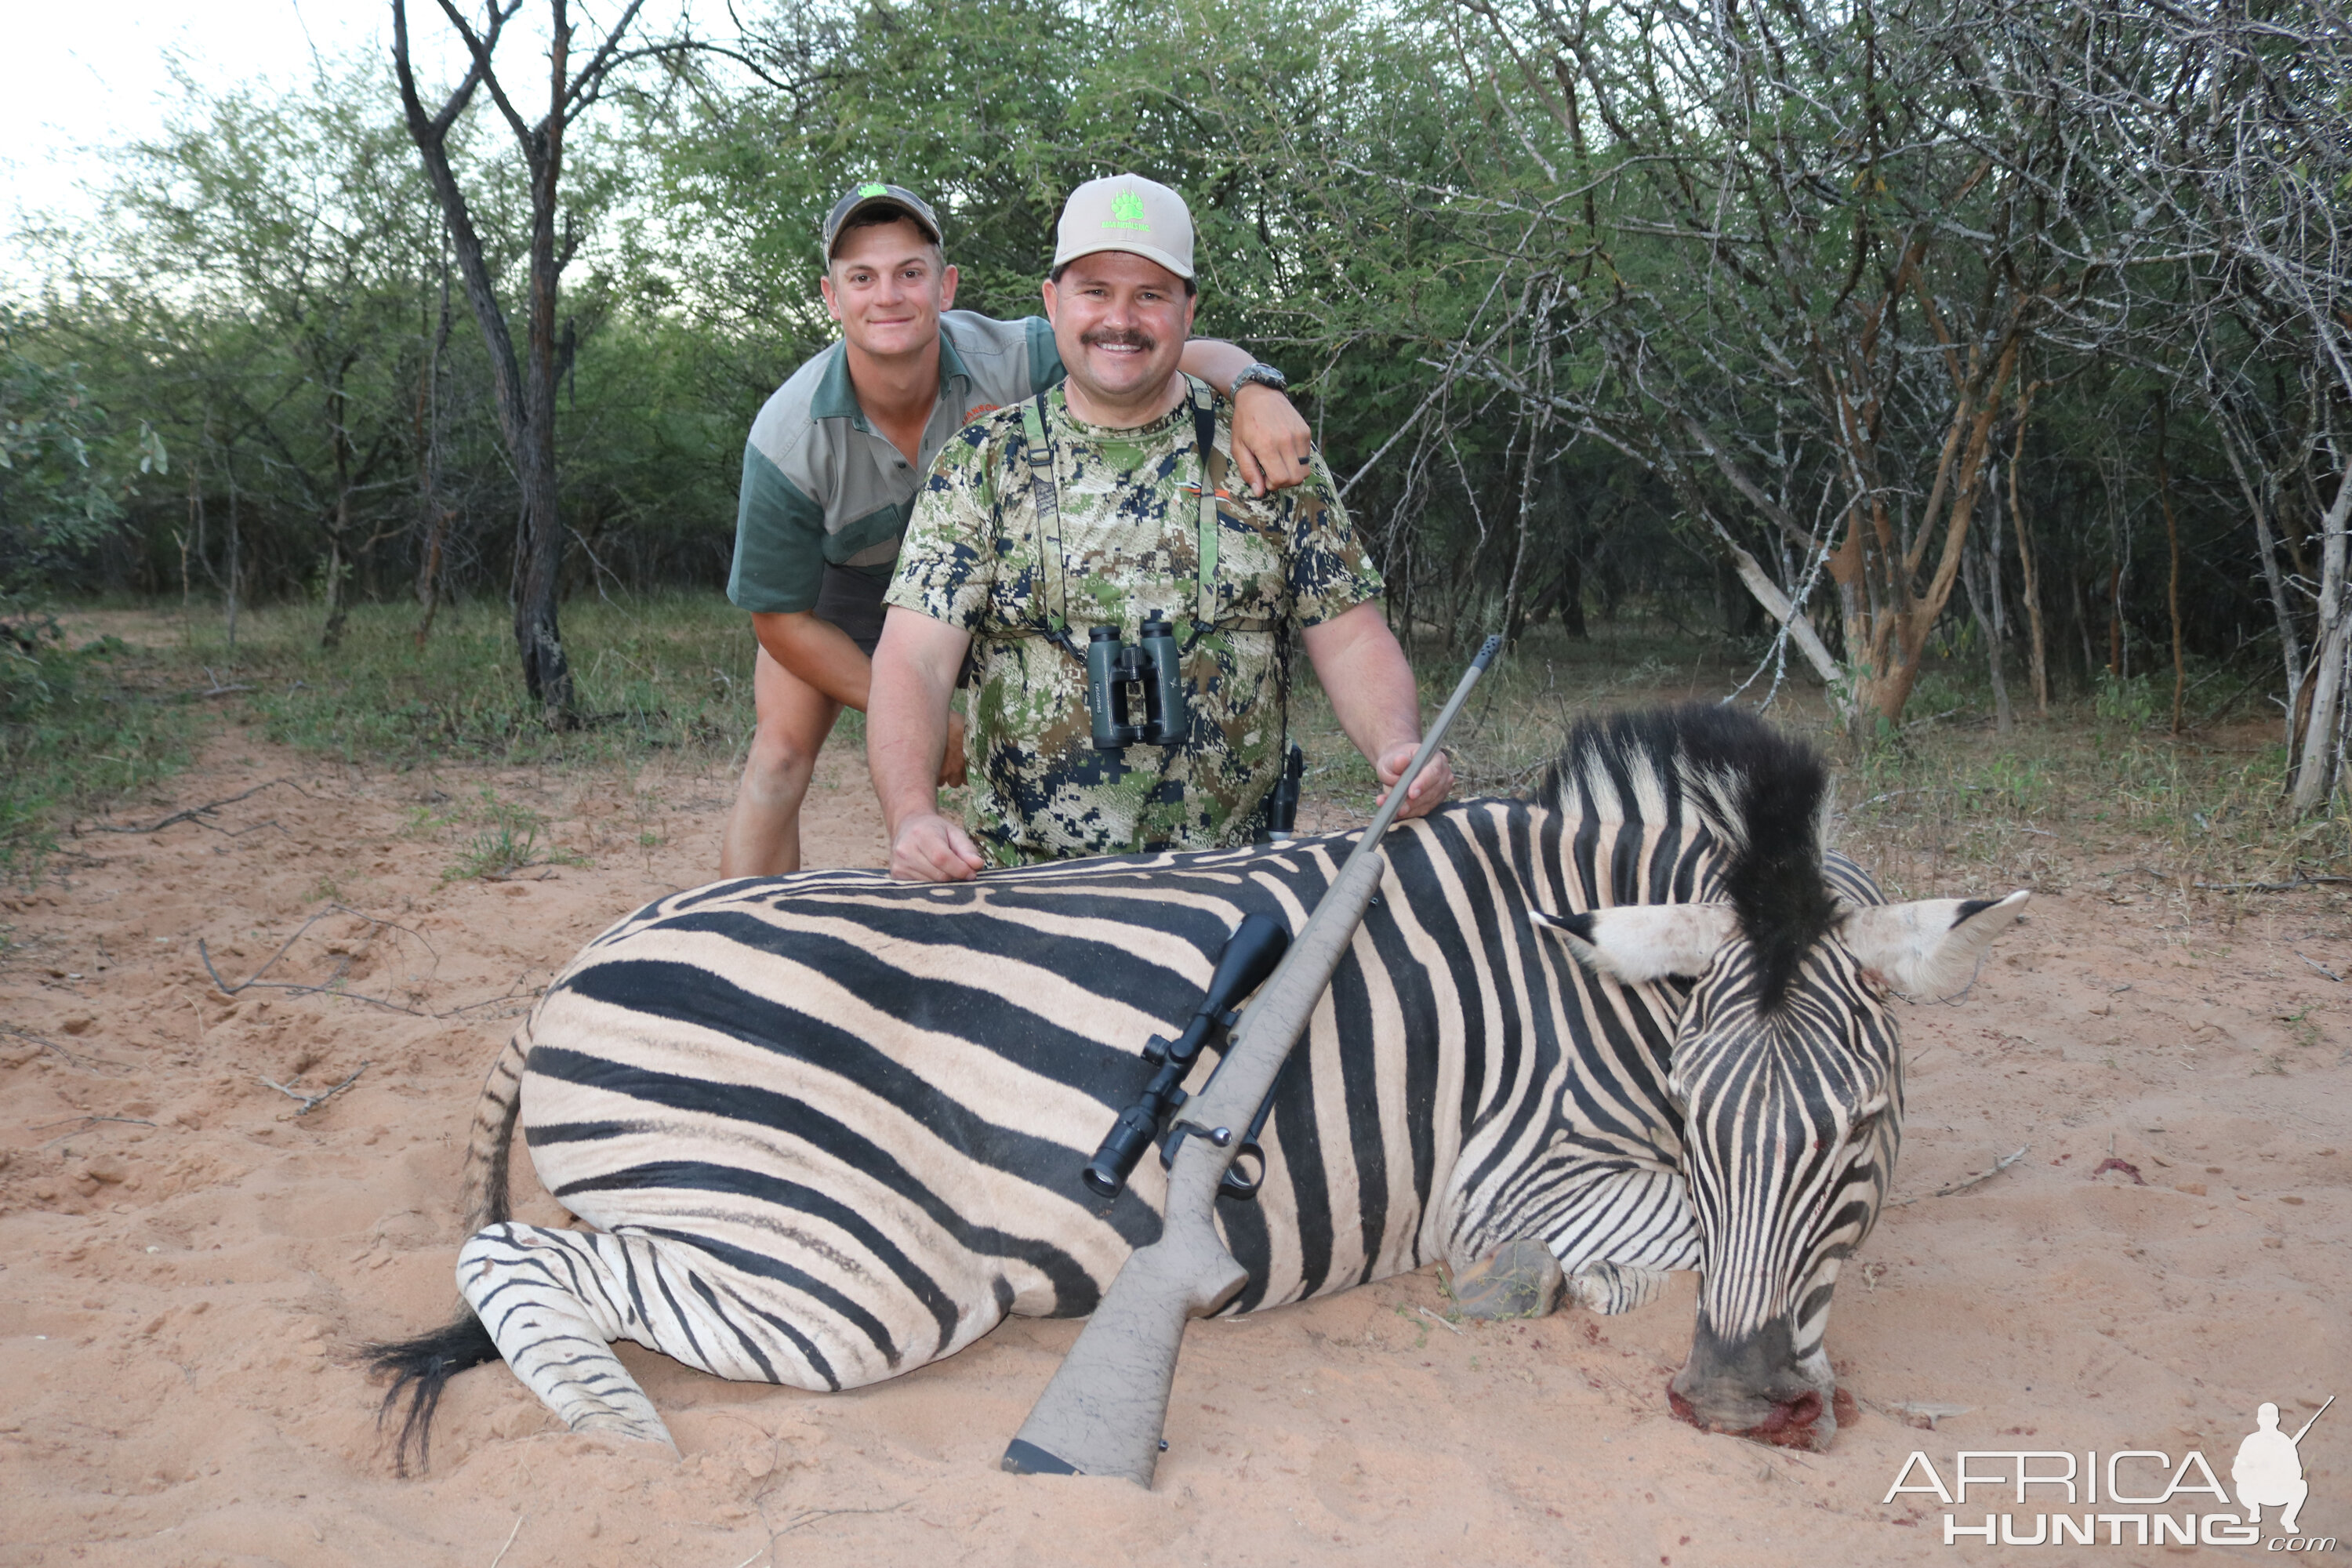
[{"x": 826, "y": 1128}]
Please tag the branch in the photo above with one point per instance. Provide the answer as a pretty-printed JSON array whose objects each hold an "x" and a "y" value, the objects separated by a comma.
[
  {"x": 311, "y": 1102},
  {"x": 479, "y": 46}
]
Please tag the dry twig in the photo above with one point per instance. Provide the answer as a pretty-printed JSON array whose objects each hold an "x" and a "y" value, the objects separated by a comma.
[
  {"x": 197, "y": 812},
  {"x": 511, "y": 1538},
  {"x": 311, "y": 1102},
  {"x": 2300, "y": 880},
  {"x": 2005, "y": 1162},
  {"x": 70, "y": 1059}
]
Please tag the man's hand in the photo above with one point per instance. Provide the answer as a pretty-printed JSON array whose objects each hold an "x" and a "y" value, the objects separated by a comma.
[
  {"x": 952, "y": 763},
  {"x": 931, "y": 848},
  {"x": 1430, "y": 787},
  {"x": 1272, "y": 448}
]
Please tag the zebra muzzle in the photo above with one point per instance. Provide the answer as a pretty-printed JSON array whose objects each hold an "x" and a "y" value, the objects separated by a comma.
[{"x": 1756, "y": 1388}]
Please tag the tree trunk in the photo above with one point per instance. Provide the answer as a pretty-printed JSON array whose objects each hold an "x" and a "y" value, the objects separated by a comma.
[
  {"x": 2038, "y": 655},
  {"x": 427, "y": 433},
  {"x": 524, "y": 387},
  {"x": 1519, "y": 550},
  {"x": 331, "y": 636},
  {"x": 2172, "y": 543},
  {"x": 2315, "y": 773},
  {"x": 1991, "y": 620},
  {"x": 2266, "y": 546}
]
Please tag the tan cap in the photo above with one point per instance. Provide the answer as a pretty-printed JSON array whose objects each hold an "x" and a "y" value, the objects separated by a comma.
[{"x": 1129, "y": 212}]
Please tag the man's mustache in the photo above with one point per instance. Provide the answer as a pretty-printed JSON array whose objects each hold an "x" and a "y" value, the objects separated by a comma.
[{"x": 1118, "y": 338}]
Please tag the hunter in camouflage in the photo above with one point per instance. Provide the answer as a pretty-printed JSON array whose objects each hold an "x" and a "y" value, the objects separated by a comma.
[
  {"x": 1101, "y": 503},
  {"x": 974, "y": 558}
]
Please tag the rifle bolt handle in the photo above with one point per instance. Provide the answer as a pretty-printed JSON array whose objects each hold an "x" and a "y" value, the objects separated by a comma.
[{"x": 1221, "y": 1136}]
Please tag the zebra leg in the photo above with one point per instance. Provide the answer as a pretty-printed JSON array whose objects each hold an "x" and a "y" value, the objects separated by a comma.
[
  {"x": 1612, "y": 1288},
  {"x": 556, "y": 1300},
  {"x": 1634, "y": 1228}
]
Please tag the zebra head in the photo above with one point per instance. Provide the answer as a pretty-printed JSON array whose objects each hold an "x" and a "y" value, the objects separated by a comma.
[{"x": 1785, "y": 1065}]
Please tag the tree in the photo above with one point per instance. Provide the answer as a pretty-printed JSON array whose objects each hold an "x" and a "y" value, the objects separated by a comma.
[
  {"x": 525, "y": 385},
  {"x": 62, "y": 482}
]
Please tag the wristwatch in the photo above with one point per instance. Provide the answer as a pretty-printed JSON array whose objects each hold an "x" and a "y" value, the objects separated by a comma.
[{"x": 1260, "y": 374}]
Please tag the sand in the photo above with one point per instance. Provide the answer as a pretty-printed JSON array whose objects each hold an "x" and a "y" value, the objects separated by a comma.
[{"x": 187, "y": 1261}]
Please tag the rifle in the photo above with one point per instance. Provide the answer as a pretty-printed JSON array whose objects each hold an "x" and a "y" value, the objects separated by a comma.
[{"x": 1103, "y": 1412}]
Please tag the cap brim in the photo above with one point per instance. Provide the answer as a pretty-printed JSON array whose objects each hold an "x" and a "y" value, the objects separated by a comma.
[
  {"x": 895, "y": 205},
  {"x": 1132, "y": 248}
]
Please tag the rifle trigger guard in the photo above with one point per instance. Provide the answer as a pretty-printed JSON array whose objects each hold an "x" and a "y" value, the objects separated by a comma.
[{"x": 1235, "y": 1185}]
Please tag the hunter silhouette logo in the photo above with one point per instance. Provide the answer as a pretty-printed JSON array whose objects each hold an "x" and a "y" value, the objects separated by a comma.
[
  {"x": 2156, "y": 1499},
  {"x": 1126, "y": 212},
  {"x": 2268, "y": 1471}
]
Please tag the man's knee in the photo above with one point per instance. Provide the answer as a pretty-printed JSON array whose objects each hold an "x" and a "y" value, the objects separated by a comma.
[{"x": 778, "y": 758}]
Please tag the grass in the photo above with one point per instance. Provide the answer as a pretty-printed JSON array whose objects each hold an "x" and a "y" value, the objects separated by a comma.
[
  {"x": 1945, "y": 805},
  {"x": 506, "y": 842},
  {"x": 670, "y": 672},
  {"x": 83, "y": 723}
]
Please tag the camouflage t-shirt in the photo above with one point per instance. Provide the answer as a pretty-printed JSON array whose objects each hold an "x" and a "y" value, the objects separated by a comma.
[{"x": 1130, "y": 512}]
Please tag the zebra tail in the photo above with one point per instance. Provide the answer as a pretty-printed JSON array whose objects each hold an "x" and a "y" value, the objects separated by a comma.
[
  {"x": 421, "y": 1368},
  {"x": 491, "y": 1143}
]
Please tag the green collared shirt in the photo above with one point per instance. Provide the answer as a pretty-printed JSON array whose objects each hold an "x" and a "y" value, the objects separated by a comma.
[{"x": 821, "y": 486}]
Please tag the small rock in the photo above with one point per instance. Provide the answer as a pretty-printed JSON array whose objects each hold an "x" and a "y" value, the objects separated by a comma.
[{"x": 758, "y": 1463}]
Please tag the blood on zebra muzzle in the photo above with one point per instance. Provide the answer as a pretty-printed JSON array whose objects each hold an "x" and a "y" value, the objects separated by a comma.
[{"x": 1758, "y": 1389}]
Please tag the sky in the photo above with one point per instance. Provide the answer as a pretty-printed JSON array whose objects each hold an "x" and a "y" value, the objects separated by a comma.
[{"x": 76, "y": 78}]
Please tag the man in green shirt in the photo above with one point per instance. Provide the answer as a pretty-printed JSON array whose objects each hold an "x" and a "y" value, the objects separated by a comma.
[
  {"x": 831, "y": 468},
  {"x": 1104, "y": 502}
]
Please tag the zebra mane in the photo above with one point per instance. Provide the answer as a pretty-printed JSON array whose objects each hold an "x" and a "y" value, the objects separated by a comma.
[{"x": 1759, "y": 793}]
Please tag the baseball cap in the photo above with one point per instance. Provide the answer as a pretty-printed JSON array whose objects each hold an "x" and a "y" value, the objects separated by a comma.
[
  {"x": 875, "y": 194},
  {"x": 1125, "y": 212}
]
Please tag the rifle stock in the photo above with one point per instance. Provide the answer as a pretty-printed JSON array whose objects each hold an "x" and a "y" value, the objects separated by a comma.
[{"x": 1103, "y": 1412}]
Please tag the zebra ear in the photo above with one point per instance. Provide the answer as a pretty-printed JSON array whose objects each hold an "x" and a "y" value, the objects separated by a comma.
[
  {"x": 1637, "y": 942},
  {"x": 1929, "y": 950}
]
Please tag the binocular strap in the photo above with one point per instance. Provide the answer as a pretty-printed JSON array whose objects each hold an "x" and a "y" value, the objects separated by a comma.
[{"x": 1046, "y": 494}]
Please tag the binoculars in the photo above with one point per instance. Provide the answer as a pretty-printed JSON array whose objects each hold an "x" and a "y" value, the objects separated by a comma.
[{"x": 1151, "y": 661}]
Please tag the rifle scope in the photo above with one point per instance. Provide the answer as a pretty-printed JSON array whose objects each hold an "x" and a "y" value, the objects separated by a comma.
[{"x": 1256, "y": 945}]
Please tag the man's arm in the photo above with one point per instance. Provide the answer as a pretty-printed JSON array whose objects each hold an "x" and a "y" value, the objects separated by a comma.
[
  {"x": 1371, "y": 688},
  {"x": 821, "y": 654},
  {"x": 817, "y": 651},
  {"x": 1272, "y": 444},
  {"x": 906, "y": 739}
]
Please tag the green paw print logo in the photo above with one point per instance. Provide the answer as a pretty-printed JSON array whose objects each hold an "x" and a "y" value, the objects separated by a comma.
[{"x": 1126, "y": 212}]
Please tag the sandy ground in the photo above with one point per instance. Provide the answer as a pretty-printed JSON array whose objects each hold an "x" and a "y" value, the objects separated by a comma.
[{"x": 186, "y": 1264}]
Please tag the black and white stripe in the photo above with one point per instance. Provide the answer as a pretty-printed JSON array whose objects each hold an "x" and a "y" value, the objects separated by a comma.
[{"x": 830, "y": 1126}]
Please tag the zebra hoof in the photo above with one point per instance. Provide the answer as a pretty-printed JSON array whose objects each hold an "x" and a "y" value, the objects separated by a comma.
[
  {"x": 615, "y": 1425},
  {"x": 1521, "y": 1281}
]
